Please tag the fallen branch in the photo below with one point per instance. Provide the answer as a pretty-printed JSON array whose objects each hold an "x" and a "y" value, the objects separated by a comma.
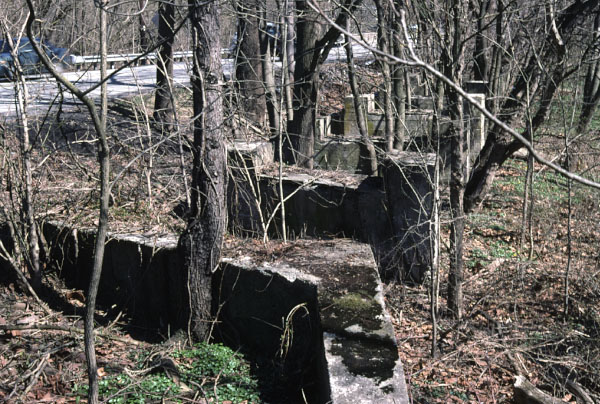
[
  {"x": 527, "y": 393},
  {"x": 53, "y": 327},
  {"x": 580, "y": 392}
]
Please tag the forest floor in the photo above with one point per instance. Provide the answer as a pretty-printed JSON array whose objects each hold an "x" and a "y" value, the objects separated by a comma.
[{"x": 514, "y": 318}]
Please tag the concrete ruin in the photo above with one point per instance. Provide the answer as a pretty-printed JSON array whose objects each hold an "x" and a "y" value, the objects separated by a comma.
[
  {"x": 390, "y": 212},
  {"x": 317, "y": 307},
  {"x": 338, "y": 144}
]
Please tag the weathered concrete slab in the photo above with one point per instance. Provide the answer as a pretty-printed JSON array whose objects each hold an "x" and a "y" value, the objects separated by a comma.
[
  {"x": 315, "y": 305},
  {"x": 336, "y": 282},
  {"x": 140, "y": 274},
  {"x": 410, "y": 188}
]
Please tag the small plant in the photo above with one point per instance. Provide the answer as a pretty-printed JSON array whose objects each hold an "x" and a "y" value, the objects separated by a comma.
[
  {"x": 218, "y": 372},
  {"x": 477, "y": 259},
  {"x": 217, "y": 365},
  {"x": 501, "y": 249}
]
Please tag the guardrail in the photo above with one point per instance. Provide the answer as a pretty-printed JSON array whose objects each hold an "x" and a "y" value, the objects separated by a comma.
[{"x": 117, "y": 59}]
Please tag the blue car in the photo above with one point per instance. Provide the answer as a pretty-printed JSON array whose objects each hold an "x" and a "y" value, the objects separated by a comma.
[{"x": 29, "y": 60}]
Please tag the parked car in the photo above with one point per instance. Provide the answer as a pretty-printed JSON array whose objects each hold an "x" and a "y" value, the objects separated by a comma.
[{"x": 29, "y": 60}]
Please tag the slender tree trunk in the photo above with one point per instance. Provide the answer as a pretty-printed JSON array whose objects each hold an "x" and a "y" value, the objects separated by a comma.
[
  {"x": 103, "y": 156},
  {"x": 269, "y": 82},
  {"x": 144, "y": 34},
  {"x": 249, "y": 64},
  {"x": 591, "y": 87},
  {"x": 480, "y": 65},
  {"x": 99, "y": 123},
  {"x": 569, "y": 233},
  {"x": 164, "y": 108},
  {"x": 453, "y": 62},
  {"x": 399, "y": 91},
  {"x": 289, "y": 45},
  {"x": 200, "y": 244},
  {"x": 29, "y": 228},
  {"x": 383, "y": 42},
  {"x": 359, "y": 107}
]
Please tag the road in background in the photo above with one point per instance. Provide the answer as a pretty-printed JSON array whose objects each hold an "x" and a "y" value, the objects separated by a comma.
[{"x": 44, "y": 92}]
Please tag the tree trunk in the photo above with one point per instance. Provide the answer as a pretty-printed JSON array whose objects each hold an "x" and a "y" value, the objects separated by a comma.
[
  {"x": 383, "y": 43},
  {"x": 306, "y": 79},
  {"x": 526, "y": 393},
  {"x": 144, "y": 35},
  {"x": 359, "y": 107},
  {"x": 311, "y": 51},
  {"x": 591, "y": 87},
  {"x": 499, "y": 146},
  {"x": 269, "y": 83},
  {"x": 289, "y": 50},
  {"x": 453, "y": 63},
  {"x": 399, "y": 91},
  {"x": 200, "y": 244},
  {"x": 164, "y": 110},
  {"x": 249, "y": 67},
  {"x": 103, "y": 157},
  {"x": 480, "y": 61}
]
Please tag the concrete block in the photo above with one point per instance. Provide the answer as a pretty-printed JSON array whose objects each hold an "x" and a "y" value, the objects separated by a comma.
[
  {"x": 323, "y": 128},
  {"x": 315, "y": 306},
  {"x": 409, "y": 180},
  {"x": 338, "y": 283}
]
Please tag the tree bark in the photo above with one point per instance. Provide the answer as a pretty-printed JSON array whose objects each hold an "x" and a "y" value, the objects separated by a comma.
[
  {"x": 200, "y": 244},
  {"x": 249, "y": 67},
  {"x": 164, "y": 110},
  {"x": 399, "y": 89},
  {"x": 311, "y": 51},
  {"x": 144, "y": 35},
  {"x": 359, "y": 107},
  {"x": 269, "y": 82},
  {"x": 527, "y": 393},
  {"x": 453, "y": 64},
  {"x": 383, "y": 43},
  {"x": 480, "y": 60},
  {"x": 591, "y": 87}
]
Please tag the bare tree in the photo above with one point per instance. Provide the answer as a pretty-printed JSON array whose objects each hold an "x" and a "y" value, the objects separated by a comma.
[
  {"x": 545, "y": 68},
  {"x": 315, "y": 41},
  {"x": 164, "y": 108},
  {"x": 99, "y": 122},
  {"x": 249, "y": 65},
  {"x": 359, "y": 107},
  {"x": 200, "y": 243}
]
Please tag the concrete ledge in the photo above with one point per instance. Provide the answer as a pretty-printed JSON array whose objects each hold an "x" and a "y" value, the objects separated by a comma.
[
  {"x": 336, "y": 282},
  {"x": 315, "y": 305}
]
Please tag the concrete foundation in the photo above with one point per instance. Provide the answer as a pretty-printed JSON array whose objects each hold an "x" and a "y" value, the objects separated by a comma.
[
  {"x": 335, "y": 282},
  {"x": 314, "y": 307}
]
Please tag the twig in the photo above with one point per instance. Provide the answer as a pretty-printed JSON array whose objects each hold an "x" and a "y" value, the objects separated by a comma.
[
  {"x": 36, "y": 373},
  {"x": 580, "y": 392}
]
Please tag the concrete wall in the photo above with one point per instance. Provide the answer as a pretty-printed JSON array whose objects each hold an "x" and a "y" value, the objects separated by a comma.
[{"x": 140, "y": 275}]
